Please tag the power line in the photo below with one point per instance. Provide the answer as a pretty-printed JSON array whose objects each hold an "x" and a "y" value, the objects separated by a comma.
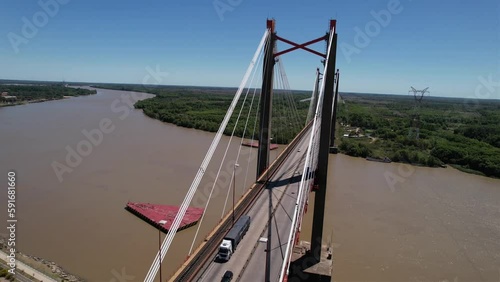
[{"x": 415, "y": 122}]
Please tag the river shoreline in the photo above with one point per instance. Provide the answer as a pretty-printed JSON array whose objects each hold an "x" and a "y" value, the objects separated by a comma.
[
  {"x": 27, "y": 102},
  {"x": 35, "y": 101},
  {"x": 401, "y": 207},
  {"x": 46, "y": 267}
]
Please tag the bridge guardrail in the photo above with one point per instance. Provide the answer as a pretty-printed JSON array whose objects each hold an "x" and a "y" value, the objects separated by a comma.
[
  {"x": 258, "y": 243},
  {"x": 195, "y": 262}
]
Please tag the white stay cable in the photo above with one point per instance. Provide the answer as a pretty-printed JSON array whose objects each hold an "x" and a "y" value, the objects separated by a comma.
[
  {"x": 153, "y": 270},
  {"x": 250, "y": 152},
  {"x": 255, "y": 124},
  {"x": 220, "y": 166},
  {"x": 286, "y": 87},
  {"x": 302, "y": 187},
  {"x": 302, "y": 191},
  {"x": 232, "y": 134}
]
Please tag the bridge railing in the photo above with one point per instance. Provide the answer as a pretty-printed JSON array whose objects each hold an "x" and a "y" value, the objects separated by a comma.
[{"x": 192, "y": 266}]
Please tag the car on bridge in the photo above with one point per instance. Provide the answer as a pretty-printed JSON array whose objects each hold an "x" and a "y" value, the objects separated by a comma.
[{"x": 227, "y": 277}]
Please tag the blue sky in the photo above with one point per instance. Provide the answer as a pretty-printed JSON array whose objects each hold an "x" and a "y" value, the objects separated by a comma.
[{"x": 446, "y": 45}]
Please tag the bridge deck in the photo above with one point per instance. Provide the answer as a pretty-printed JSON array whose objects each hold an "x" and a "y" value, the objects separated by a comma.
[
  {"x": 205, "y": 253},
  {"x": 249, "y": 260}
]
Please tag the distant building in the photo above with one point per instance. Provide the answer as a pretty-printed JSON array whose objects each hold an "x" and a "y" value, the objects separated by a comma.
[
  {"x": 8, "y": 98},
  {"x": 5, "y": 94}
]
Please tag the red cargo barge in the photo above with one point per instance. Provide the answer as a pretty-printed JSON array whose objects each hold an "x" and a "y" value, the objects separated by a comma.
[
  {"x": 153, "y": 214},
  {"x": 255, "y": 144}
]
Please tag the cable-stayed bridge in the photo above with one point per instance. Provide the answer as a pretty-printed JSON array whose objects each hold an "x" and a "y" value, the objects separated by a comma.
[{"x": 264, "y": 109}]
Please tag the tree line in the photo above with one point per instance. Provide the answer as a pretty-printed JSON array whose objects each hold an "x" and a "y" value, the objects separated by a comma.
[
  {"x": 27, "y": 93},
  {"x": 205, "y": 110},
  {"x": 452, "y": 131}
]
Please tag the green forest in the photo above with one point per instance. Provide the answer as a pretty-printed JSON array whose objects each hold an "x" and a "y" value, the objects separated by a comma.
[
  {"x": 460, "y": 132},
  {"x": 205, "y": 107},
  {"x": 39, "y": 93}
]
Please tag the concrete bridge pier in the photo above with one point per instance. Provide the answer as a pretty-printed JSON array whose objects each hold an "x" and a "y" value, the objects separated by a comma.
[{"x": 303, "y": 266}]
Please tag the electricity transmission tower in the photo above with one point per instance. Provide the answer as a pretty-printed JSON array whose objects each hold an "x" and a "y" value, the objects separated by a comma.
[{"x": 415, "y": 123}]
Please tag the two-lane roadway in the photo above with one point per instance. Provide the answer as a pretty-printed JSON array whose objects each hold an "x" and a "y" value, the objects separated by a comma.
[{"x": 248, "y": 262}]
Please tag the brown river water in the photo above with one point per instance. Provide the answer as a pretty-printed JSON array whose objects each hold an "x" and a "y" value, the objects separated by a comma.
[{"x": 390, "y": 222}]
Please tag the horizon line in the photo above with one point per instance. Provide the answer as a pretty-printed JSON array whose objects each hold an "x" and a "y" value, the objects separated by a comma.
[{"x": 228, "y": 87}]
